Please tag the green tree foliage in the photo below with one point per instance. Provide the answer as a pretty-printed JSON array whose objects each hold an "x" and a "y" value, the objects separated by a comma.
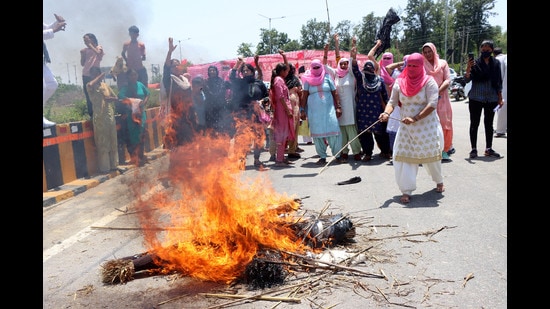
[
  {"x": 271, "y": 41},
  {"x": 454, "y": 26},
  {"x": 345, "y": 33},
  {"x": 245, "y": 49},
  {"x": 419, "y": 24},
  {"x": 315, "y": 34},
  {"x": 471, "y": 22},
  {"x": 366, "y": 33}
]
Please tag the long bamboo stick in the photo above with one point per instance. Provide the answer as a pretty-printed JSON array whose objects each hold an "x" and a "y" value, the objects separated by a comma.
[{"x": 258, "y": 297}]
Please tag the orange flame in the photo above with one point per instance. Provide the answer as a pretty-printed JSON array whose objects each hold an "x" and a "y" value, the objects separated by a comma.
[
  {"x": 134, "y": 105},
  {"x": 213, "y": 218}
]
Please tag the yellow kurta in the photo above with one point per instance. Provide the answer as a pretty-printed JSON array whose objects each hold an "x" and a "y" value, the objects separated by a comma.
[{"x": 103, "y": 119}]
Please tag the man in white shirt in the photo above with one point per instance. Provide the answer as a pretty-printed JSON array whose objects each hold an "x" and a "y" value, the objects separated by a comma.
[{"x": 50, "y": 84}]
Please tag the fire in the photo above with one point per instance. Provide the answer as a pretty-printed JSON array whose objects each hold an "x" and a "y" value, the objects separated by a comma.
[
  {"x": 135, "y": 105},
  {"x": 213, "y": 219}
]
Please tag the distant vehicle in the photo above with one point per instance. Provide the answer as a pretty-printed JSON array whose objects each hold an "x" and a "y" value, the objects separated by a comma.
[
  {"x": 453, "y": 73},
  {"x": 457, "y": 88}
]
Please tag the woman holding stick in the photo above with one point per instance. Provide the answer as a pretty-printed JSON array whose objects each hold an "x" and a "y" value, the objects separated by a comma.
[{"x": 419, "y": 139}]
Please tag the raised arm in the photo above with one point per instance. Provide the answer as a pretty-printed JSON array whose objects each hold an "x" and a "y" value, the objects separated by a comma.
[
  {"x": 371, "y": 53},
  {"x": 282, "y": 53},
  {"x": 337, "y": 48},
  {"x": 171, "y": 49},
  {"x": 260, "y": 74},
  {"x": 353, "y": 51},
  {"x": 325, "y": 54}
]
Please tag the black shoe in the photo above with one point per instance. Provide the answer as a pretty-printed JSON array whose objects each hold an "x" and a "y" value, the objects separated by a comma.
[
  {"x": 500, "y": 135},
  {"x": 489, "y": 152},
  {"x": 322, "y": 161},
  {"x": 294, "y": 155},
  {"x": 451, "y": 151},
  {"x": 272, "y": 158},
  {"x": 473, "y": 154},
  {"x": 350, "y": 181}
]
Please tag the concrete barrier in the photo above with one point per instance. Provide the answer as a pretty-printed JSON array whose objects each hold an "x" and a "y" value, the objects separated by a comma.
[{"x": 69, "y": 153}]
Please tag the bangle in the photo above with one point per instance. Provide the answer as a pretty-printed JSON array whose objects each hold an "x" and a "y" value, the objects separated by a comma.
[
  {"x": 386, "y": 113},
  {"x": 416, "y": 118}
]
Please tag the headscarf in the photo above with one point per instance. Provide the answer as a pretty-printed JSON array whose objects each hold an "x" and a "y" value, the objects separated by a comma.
[
  {"x": 313, "y": 76},
  {"x": 435, "y": 68},
  {"x": 339, "y": 71},
  {"x": 371, "y": 81},
  {"x": 414, "y": 76},
  {"x": 383, "y": 63}
]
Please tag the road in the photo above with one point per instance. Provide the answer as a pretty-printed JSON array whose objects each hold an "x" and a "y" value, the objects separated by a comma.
[{"x": 425, "y": 249}]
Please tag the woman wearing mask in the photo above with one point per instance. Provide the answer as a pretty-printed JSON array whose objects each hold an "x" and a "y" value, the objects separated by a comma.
[
  {"x": 419, "y": 138},
  {"x": 485, "y": 96},
  {"x": 320, "y": 99}
]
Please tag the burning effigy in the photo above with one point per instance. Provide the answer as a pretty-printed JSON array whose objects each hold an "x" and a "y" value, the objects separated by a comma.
[{"x": 212, "y": 223}]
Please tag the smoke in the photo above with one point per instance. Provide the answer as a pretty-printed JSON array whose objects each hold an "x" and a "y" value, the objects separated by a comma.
[{"x": 108, "y": 20}]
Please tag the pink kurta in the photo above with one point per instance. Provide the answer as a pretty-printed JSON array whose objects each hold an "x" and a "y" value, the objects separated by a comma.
[{"x": 283, "y": 125}]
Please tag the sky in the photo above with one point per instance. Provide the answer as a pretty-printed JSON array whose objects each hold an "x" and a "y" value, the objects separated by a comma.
[{"x": 205, "y": 31}]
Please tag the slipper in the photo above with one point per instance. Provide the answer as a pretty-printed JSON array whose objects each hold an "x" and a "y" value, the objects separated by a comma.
[
  {"x": 355, "y": 179},
  {"x": 405, "y": 199}
]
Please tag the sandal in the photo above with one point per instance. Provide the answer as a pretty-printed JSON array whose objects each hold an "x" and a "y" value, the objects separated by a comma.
[
  {"x": 366, "y": 158},
  {"x": 405, "y": 198},
  {"x": 440, "y": 188}
]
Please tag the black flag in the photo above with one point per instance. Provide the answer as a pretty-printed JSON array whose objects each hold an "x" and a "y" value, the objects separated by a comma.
[{"x": 384, "y": 32}]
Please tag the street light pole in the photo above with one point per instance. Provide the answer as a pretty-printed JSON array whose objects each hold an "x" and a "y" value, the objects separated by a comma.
[{"x": 270, "y": 36}]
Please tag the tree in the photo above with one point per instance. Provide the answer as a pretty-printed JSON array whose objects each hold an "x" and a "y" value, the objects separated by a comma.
[
  {"x": 345, "y": 33},
  {"x": 366, "y": 33},
  {"x": 271, "y": 41},
  {"x": 422, "y": 21},
  {"x": 245, "y": 49},
  {"x": 419, "y": 23},
  {"x": 471, "y": 20},
  {"x": 315, "y": 34}
]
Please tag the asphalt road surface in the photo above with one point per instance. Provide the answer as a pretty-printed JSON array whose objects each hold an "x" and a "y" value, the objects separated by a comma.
[{"x": 442, "y": 250}]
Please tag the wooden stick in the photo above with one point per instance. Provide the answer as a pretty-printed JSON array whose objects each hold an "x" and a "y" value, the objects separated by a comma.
[
  {"x": 313, "y": 222},
  {"x": 328, "y": 227},
  {"x": 346, "y": 145},
  {"x": 252, "y": 296},
  {"x": 255, "y": 297},
  {"x": 332, "y": 265}
]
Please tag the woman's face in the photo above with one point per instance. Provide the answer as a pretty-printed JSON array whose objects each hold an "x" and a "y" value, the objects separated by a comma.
[
  {"x": 86, "y": 39},
  {"x": 247, "y": 71},
  {"x": 428, "y": 53},
  {"x": 284, "y": 73},
  {"x": 133, "y": 77},
  {"x": 344, "y": 65}
]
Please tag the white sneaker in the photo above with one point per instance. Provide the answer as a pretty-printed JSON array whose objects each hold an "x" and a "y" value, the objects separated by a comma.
[{"x": 47, "y": 123}]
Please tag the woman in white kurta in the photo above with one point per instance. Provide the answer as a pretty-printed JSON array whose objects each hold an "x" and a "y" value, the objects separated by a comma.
[{"x": 419, "y": 138}]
